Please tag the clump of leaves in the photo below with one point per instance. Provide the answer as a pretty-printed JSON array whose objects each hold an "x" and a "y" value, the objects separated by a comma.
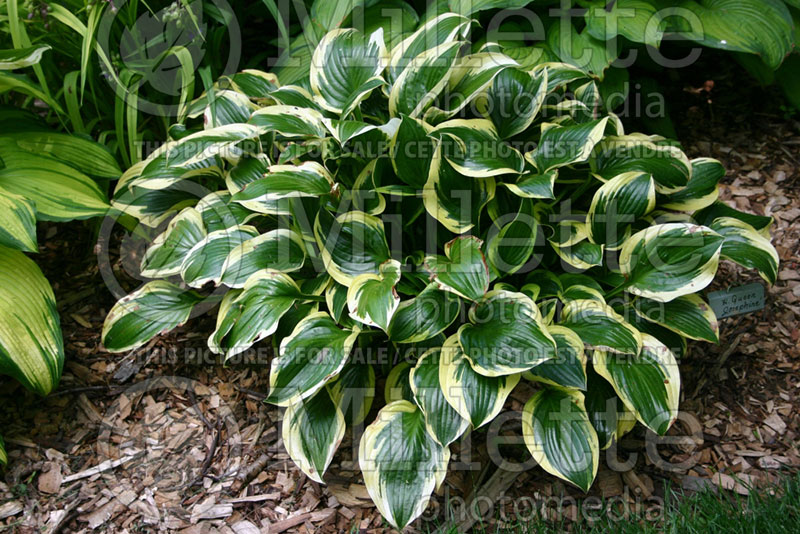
[{"x": 453, "y": 222}]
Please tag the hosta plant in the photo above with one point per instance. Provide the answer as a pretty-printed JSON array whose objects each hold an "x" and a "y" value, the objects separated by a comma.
[{"x": 450, "y": 222}]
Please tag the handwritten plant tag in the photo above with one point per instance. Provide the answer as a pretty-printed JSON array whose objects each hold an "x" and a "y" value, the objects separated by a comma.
[{"x": 737, "y": 300}]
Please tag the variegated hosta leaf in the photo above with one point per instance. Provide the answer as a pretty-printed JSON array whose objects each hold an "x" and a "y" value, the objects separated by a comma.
[
  {"x": 398, "y": 384},
  {"x": 422, "y": 80},
  {"x": 312, "y": 430},
  {"x": 667, "y": 261},
  {"x": 3, "y": 456},
  {"x": 580, "y": 49},
  {"x": 277, "y": 250},
  {"x": 169, "y": 249},
  {"x": 246, "y": 317},
  {"x": 579, "y": 292},
  {"x": 424, "y": 316},
  {"x": 437, "y": 33},
  {"x": 346, "y": 67},
  {"x": 582, "y": 255},
  {"x": 453, "y": 199},
  {"x": 204, "y": 262},
  {"x": 352, "y": 244},
  {"x": 636, "y": 20},
  {"x": 509, "y": 249},
  {"x": 617, "y": 204},
  {"x": 533, "y": 185},
  {"x": 443, "y": 422},
  {"x": 200, "y": 146},
  {"x": 17, "y": 222},
  {"x": 744, "y": 245},
  {"x": 560, "y": 437},
  {"x": 309, "y": 179},
  {"x": 402, "y": 464},
  {"x": 412, "y": 151},
  {"x": 353, "y": 391},
  {"x": 600, "y": 327},
  {"x": 649, "y": 384},
  {"x": 227, "y": 107},
  {"x": 18, "y": 58},
  {"x": 601, "y": 403},
  {"x": 702, "y": 189},
  {"x": 31, "y": 348},
  {"x": 219, "y": 212},
  {"x": 668, "y": 165},
  {"x": 154, "y": 308},
  {"x": 568, "y": 368},
  {"x": 718, "y": 209},
  {"x": 290, "y": 121},
  {"x": 336, "y": 299},
  {"x": 505, "y": 335},
  {"x": 565, "y": 145},
  {"x": 309, "y": 357},
  {"x": 372, "y": 299},
  {"x": 513, "y": 100},
  {"x": 476, "y": 397},
  {"x": 689, "y": 316},
  {"x": 464, "y": 271},
  {"x": 474, "y": 149}
]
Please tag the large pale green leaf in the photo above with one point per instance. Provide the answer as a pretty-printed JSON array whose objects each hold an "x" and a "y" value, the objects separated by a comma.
[
  {"x": 580, "y": 48},
  {"x": 476, "y": 397},
  {"x": 505, "y": 335},
  {"x": 744, "y": 245},
  {"x": 560, "y": 437},
  {"x": 636, "y": 20},
  {"x": 312, "y": 430},
  {"x": 464, "y": 270},
  {"x": 424, "y": 316},
  {"x": 352, "y": 244},
  {"x": 649, "y": 384},
  {"x": 17, "y": 222},
  {"x": 401, "y": 462},
  {"x": 310, "y": 356},
  {"x": 442, "y": 420},
  {"x": 31, "y": 348},
  {"x": 468, "y": 7},
  {"x": 667, "y": 261},
  {"x": 156, "y": 307},
  {"x": 86, "y": 156}
]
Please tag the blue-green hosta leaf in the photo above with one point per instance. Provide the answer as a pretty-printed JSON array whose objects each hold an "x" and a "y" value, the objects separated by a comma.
[
  {"x": 346, "y": 67},
  {"x": 464, "y": 271},
  {"x": 412, "y": 151},
  {"x": 423, "y": 80},
  {"x": 670, "y": 167},
  {"x": 352, "y": 244},
  {"x": 438, "y": 32},
  {"x": 509, "y": 249},
  {"x": 474, "y": 149},
  {"x": 353, "y": 391},
  {"x": 453, "y": 199},
  {"x": 533, "y": 185},
  {"x": 617, "y": 204},
  {"x": 312, "y": 430},
  {"x": 169, "y": 249},
  {"x": 200, "y": 146},
  {"x": 580, "y": 49},
  {"x": 309, "y": 179},
  {"x": 17, "y": 222},
  {"x": 309, "y": 357},
  {"x": 689, "y": 316},
  {"x": 505, "y": 335},
  {"x": 58, "y": 191},
  {"x": 762, "y": 27},
  {"x": 649, "y": 384},
  {"x": 290, "y": 121},
  {"x": 204, "y": 262},
  {"x": 565, "y": 145},
  {"x": 18, "y": 58},
  {"x": 278, "y": 250},
  {"x": 88, "y": 157},
  {"x": 476, "y": 397},
  {"x": 636, "y": 20},
  {"x": 246, "y": 317},
  {"x": 227, "y": 107},
  {"x": 401, "y": 462},
  {"x": 600, "y": 327},
  {"x": 702, "y": 189},
  {"x": 424, "y": 316},
  {"x": 667, "y": 261},
  {"x": 718, "y": 209},
  {"x": 745, "y": 246},
  {"x": 372, "y": 299},
  {"x": 154, "y": 308},
  {"x": 514, "y": 99},
  {"x": 31, "y": 348},
  {"x": 568, "y": 368},
  {"x": 560, "y": 436},
  {"x": 442, "y": 420}
]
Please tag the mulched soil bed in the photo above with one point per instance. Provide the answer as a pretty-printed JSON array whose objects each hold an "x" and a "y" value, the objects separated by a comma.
[{"x": 166, "y": 440}]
